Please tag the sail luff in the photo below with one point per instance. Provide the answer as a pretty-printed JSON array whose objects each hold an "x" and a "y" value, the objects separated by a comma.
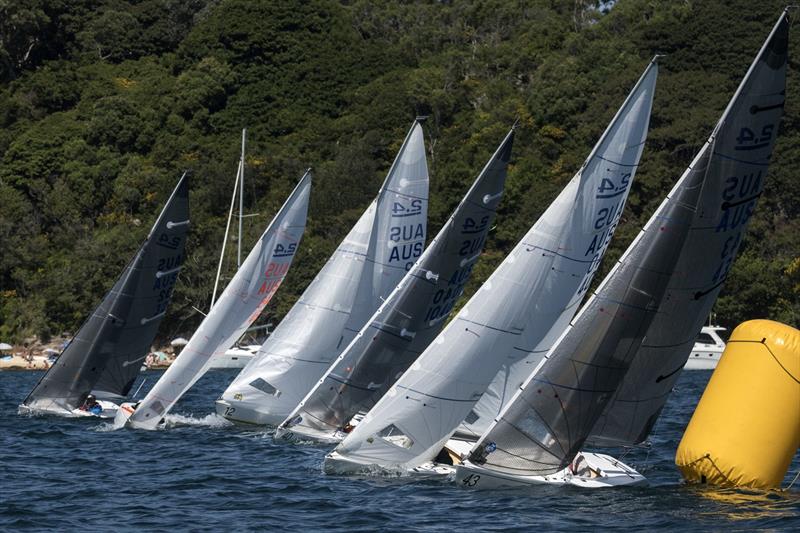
[
  {"x": 225, "y": 238},
  {"x": 644, "y": 78},
  {"x": 396, "y": 161},
  {"x": 241, "y": 202},
  {"x": 782, "y": 24},
  {"x": 241, "y": 302}
]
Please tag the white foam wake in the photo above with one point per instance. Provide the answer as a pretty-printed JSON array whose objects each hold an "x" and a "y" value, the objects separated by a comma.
[{"x": 211, "y": 420}]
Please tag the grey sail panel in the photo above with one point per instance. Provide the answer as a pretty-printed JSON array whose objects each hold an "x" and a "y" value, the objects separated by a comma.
[
  {"x": 411, "y": 317},
  {"x": 743, "y": 143},
  {"x": 107, "y": 351},
  {"x": 549, "y": 418}
]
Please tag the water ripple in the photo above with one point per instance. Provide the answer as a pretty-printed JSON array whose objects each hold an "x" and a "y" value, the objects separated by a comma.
[{"x": 202, "y": 473}]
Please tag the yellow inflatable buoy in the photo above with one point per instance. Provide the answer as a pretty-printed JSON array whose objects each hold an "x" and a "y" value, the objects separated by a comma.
[{"x": 746, "y": 427}]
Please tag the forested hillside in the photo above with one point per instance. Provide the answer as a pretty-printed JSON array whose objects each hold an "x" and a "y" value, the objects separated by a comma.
[{"x": 104, "y": 103}]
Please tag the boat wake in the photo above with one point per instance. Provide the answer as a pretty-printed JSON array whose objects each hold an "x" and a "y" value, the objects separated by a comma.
[{"x": 211, "y": 420}]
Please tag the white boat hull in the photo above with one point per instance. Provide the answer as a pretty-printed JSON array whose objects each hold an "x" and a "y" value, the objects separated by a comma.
[
  {"x": 109, "y": 411},
  {"x": 604, "y": 472},
  {"x": 306, "y": 435},
  {"x": 702, "y": 360},
  {"x": 245, "y": 413},
  {"x": 339, "y": 465},
  {"x": 123, "y": 414}
]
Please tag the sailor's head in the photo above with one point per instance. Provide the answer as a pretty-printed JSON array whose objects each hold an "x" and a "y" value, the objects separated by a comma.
[{"x": 90, "y": 398}]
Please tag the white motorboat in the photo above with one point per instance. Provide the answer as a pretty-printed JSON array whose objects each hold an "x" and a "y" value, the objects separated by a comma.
[
  {"x": 236, "y": 357},
  {"x": 707, "y": 350}
]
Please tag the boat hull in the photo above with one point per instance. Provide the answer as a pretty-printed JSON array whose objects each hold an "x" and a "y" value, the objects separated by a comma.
[
  {"x": 309, "y": 435},
  {"x": 244, "y": 413},
  {"x": 109, "y": 411},
  {"x": 610, "y": 473},
  {"x": 336, "y": 464},
  {"x": 123, "y": 414},
  {"x": 699, "y": 360}
]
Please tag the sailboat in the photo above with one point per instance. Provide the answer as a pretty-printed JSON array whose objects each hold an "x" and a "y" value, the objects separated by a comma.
[
  {"x": 360, "y": 274},
  {"x": 409, "y": 319},
  {"x": 241, "y": 302},
  {"x": 237, "y": 356},
  {"x": 604, "y": 379},
  {"x": 518, "y": 310},
  {"x": 104, "y": 357},
  {"x": 738, "y": 168}
]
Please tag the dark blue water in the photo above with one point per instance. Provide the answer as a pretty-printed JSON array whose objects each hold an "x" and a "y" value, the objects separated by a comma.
[{"x": 202, "y": 473}]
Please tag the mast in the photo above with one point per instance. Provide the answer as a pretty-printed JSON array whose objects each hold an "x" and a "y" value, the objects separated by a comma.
[
  {"x": 238, "y": 184},
  {"x": 241, "y": 200}
]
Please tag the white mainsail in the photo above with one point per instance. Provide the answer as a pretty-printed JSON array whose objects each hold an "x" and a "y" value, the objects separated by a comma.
[
  {"x": 360, "y": 274},
  {"x": 743, "y": 142},
  {"x": 239, "y": 305},
  {"x": 656, "y": 294},
  {"x": 537, "y": 288},
  {"x": 413, "y": 314}
]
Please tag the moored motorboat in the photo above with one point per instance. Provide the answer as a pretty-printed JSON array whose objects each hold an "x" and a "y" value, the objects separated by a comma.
[
  {"x": 236, "y": 357},
  {"x": 707, "y": 349}
]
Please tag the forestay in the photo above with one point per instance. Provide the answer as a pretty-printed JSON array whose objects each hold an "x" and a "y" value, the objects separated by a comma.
[
  {"x": 360, "y": 274},
  {"x": 742, "y": 145},
  {"x": 681, "y": 254},
  {"x": 107, "y": 351},
  {"x": 410, "y": 318},
  {"x": 535, "y": 289},
  {"x": 241, "y": 302}
]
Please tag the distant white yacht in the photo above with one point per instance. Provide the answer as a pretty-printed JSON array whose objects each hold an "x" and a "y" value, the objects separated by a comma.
[
  {"x": 707, "y": 350},
  {"x": 236, "y": 357}
]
